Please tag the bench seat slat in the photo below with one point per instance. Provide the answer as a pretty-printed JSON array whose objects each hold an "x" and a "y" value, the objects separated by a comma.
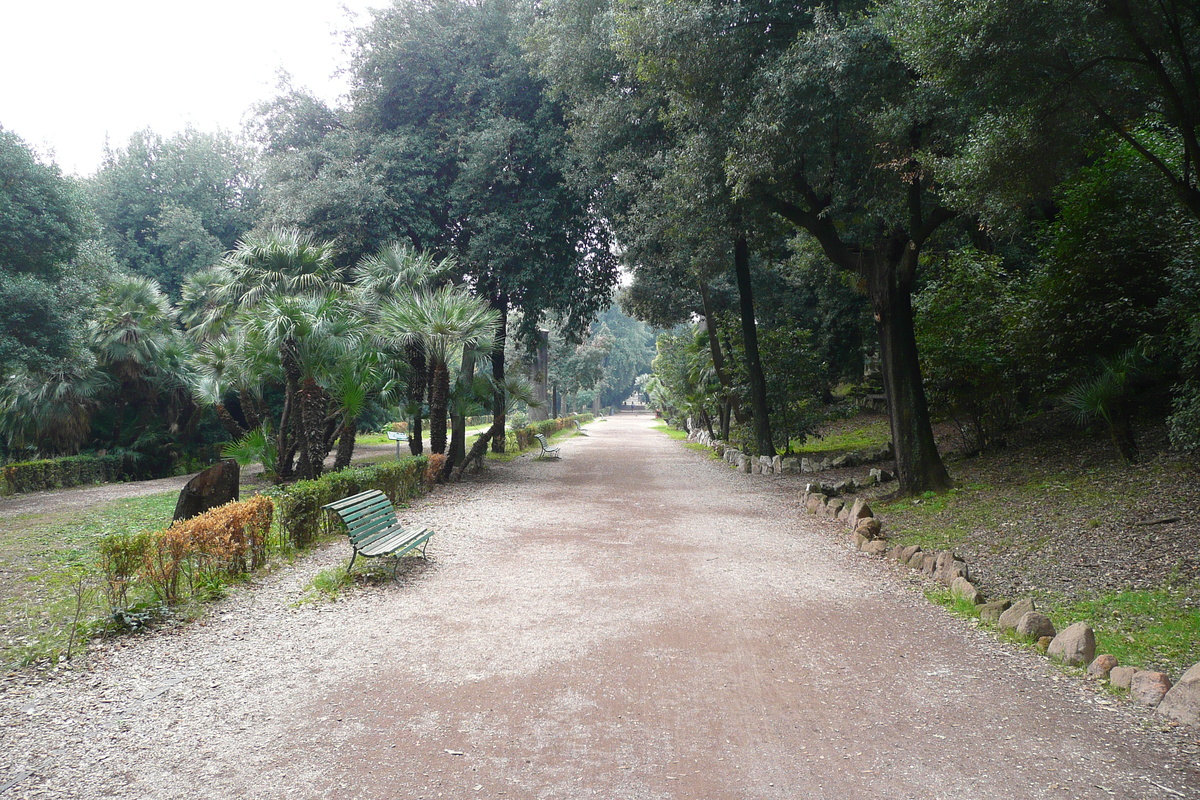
[{"x": 397, "y": 545}]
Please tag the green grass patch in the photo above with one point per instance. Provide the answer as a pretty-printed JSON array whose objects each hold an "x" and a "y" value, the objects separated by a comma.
[
  {"x": 327, "y": 585},
  {"x": 673, "y": 433},
  {"x": 55, "y": 600},
  {"x": 1149, "y": 628},
  {"x": 858, "y": 435}
]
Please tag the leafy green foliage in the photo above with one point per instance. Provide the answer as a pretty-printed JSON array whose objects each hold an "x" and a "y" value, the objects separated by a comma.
[{"x": 969, "y": 316}]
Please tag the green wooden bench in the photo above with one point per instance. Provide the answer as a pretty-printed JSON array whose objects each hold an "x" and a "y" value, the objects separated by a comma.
[
  {"x": 373, "y": 528},
  {"x": 547, "y": 449},
  {"x": 579, "y": 428}
]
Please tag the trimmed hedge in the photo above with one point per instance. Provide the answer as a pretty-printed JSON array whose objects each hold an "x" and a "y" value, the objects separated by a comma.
[
  {"x": 301, "y": 520},
  {"x": 60, "y": 473},
  {"x": 522, "y": 438}
]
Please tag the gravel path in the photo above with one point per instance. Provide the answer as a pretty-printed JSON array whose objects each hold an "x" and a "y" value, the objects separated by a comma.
[{"x": 632, "y": 622}]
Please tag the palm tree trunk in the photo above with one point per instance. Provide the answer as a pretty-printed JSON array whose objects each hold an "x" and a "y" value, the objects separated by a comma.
[
  {"x": 479, "y": 448},
  {"x": 439, "y": 396},
  {"x": 416, "y": 397},
  {"x": 312, "y": 430},
  {"x": 345, "y": 445}
]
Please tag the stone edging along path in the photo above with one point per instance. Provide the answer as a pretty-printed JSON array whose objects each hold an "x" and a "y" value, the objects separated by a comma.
[{"x": 1074, "y": 646}]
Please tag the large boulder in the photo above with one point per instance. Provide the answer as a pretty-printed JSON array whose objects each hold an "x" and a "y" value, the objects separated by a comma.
[
  {"x": 1182, "y": 702},
  {"x": 1009, "y": 619},
  {"x": 1102, "y": 666},
  {"x": 963, "y": 589},
  {"x": 869, "y": 527},
  {"x": 215, "y": 486},
  {"x": 1034, "y": 625},
  {"x": 1149, "y": 687},
  {"x": 1076, "y": 645},
  {"x": 990, "y": 612}
]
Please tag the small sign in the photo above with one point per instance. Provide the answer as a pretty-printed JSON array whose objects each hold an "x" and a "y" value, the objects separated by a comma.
[{"x": 397, "y": 436}]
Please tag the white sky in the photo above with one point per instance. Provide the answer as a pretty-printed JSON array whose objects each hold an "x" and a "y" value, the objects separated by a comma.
[{"x": 75, "y": 71}]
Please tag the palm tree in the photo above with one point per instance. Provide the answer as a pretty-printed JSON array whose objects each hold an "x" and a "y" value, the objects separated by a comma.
[
  {"x": 204, "y": 315},
  {"x": 279, "y": 261},
  {"x": 442, "y": 321},
  {"x": 396, "y": 272},
  {"x": 514, "y": 390},
  {"x": 313, "y": 335},
  {"x": 51, "y": 409}
]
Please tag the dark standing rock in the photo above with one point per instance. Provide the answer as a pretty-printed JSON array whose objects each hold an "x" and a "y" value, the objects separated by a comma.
[
  {"x": 1034, "y": 626},
  {"x": 990, "y": 612},
  {"x": 1182, "y": 702},
  {"x": 860, "y": 510},
  {"x": 1009, "y": 619},
  {"x": 949, "y": 567},
  {"x": 1148, "y": 687},
  {"x": 215, "y": 486},
  {"x": 1101, "y": 667},
  {"x": 869, "y": 527},
  {"x": 1075, "y": 646}
]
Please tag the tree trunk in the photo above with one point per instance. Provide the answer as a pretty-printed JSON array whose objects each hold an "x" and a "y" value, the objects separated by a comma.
[
  {"x": 345, "y": 445},
  {"x": 888, "y": 269},
  {"x": 758, "y": 382},
  {"x": 439, "y": 395},
  {"x": 478, "y": 449},
  {"x": 416, "y": 397},
  {"x": 230, "y": 424},
  {"x": 499, "y": 400},
  {"x": 313, "y": 450},
  {"x": 458, "y": 422}
]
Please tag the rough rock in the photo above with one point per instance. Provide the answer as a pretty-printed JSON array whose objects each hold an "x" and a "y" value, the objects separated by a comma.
[
  {"x": 215, "y": 486},
  {"x": 1182, "y": 702},
  {"x": 790, "y": 466},
  {"x": 777, "y": 465},
  {"x": 990, "y": 612},
  {"x": 1009, "y": 619},
  {"x": 909, "y": 551},
  {"x": 875, "y": 547},
  {"x": 844, "y": 514},
  {"x": 743, "y": 462},
  {"x": 833, "y": 506},
  {"x": 928, "y": 563},
  {"x": 949, "y": 567},
  {"x": 1101, "y": 666},
  {"x": 1075, "y": 645},
  {"x": 916, "y": 560},
  {"x": 1121, "y": 677},
  {"x": 815, "y": 503},
  {"x": 860, "y": 510},
  {"x": 1148, "y": 687},
  {"x": 870, "y": 528},
  {"x": 1034, "y": 625},
  {"x": 896, "y": 553},
  {"x": 963, "y": 589},
  {"x": 858, "y": 540}
]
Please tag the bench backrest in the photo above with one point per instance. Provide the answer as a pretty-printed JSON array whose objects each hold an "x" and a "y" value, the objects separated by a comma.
[
  {"x": 541, "y": 437},
  {"x": 365, "y": 513}
]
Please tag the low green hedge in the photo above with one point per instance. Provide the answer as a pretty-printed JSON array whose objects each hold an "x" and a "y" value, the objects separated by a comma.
[
  {"x": 301, "y": 520},
  {"x": 59, "y": 473}
]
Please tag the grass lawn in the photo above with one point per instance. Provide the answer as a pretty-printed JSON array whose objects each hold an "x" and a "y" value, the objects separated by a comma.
[{"x": 50, "y": 564}]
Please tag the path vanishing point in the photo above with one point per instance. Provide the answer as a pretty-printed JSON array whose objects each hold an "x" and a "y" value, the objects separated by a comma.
[{"x": 633, "y": 622}]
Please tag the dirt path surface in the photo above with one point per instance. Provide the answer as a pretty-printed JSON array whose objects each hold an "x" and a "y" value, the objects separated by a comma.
[{"x": 634, "y": 621}]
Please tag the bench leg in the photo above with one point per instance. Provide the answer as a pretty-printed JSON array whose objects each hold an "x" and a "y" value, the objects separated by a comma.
[{"x": 352, "y": 561}]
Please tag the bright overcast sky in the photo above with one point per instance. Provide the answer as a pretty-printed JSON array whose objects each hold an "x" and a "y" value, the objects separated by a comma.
[{"x": 75, "y": 71}]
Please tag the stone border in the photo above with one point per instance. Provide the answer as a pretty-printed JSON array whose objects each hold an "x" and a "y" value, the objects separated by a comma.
[{"x": 1074, "y": 646}]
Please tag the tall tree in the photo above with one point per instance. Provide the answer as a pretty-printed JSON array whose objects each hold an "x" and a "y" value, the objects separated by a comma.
[{"x": 169, "y": 206}]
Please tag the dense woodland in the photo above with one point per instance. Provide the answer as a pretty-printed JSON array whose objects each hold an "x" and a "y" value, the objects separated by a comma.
[{"x": 978, "y": 210}]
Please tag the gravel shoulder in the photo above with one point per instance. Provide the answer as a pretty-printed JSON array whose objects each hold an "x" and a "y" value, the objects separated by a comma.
[{"x": 633, "y": 621}]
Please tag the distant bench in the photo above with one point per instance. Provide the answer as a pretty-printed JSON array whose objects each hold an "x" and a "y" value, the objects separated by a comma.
[
  {"x": 547, "y": 449},
  {"x": 373, "y": 528}
]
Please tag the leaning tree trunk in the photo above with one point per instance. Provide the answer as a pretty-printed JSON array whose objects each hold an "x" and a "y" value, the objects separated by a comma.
[
  {"x": 230, "y": 424},
  {"x": 888, "y": 272},
  {"x": 479, "y": 448},
  {"x": 458, "y": 424},
  {"x": 345, "y": 444},
  {"x": 439, "y": 396},
  {"x": 758, "y": 382}
]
